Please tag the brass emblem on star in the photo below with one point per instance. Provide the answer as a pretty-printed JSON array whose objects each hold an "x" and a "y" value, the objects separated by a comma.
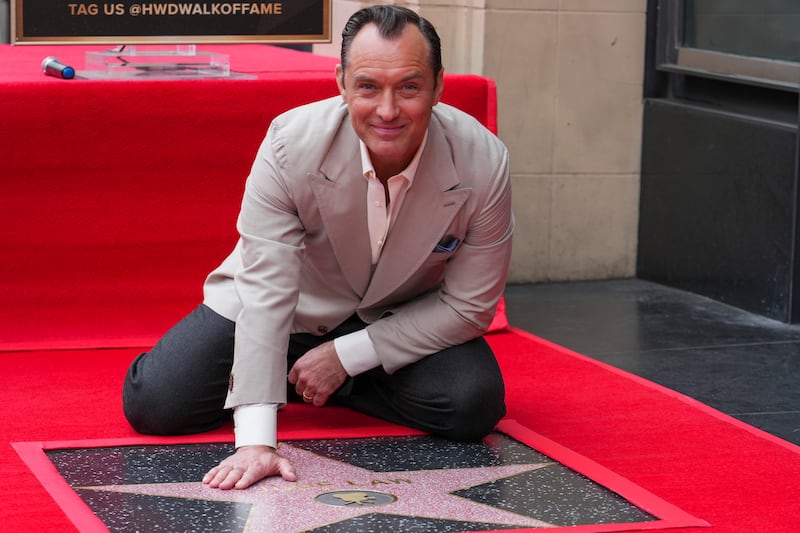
[{"x": 360, "y": 498}]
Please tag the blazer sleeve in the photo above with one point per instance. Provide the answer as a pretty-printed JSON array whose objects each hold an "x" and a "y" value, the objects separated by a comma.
[
  {"x": 267, "y": 283},
  {"x": 474, "y": 279}
]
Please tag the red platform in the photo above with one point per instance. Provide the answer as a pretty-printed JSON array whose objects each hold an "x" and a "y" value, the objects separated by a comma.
[{"x": 120, "y": 196}]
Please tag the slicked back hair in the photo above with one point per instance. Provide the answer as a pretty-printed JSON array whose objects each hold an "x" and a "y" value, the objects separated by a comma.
[{"x": 391, "y": 21}]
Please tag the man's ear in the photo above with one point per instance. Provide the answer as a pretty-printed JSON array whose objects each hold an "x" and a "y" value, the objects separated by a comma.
[
  {"x": 439, "y": 87},
  {"x": 340, "y": 80}
]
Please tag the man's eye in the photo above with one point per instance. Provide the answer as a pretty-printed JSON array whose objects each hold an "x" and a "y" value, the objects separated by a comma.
[{"x": 366, "y": 86}]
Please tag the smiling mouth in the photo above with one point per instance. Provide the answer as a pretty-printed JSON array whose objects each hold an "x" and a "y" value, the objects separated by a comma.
[{"x": 387, "y": 130}]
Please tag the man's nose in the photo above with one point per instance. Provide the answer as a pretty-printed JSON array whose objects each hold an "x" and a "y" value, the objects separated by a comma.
[{"x": 387, "y": 106}]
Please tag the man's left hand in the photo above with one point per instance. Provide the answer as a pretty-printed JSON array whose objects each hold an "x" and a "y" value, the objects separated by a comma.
[{"x": 317, "y": 374}]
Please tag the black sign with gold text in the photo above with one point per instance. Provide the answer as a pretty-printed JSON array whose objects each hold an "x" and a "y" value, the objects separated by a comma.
[{"x": 170, "y": 21}]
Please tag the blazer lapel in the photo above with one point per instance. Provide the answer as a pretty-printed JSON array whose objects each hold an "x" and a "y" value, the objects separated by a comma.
[
  {"x": 429, "y": 207},
  {"x": 341, "y": 193}
]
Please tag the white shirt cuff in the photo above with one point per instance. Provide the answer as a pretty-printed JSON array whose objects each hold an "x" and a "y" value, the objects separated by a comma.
[
  {"x": 356, "y": 352},
  {"x": 256, "y": 424}
]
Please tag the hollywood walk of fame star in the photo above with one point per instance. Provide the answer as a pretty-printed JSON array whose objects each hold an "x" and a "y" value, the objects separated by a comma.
[{"x": 278, "y": 505}]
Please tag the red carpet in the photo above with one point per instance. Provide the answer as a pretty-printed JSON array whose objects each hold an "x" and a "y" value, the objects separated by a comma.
[{"x": 707, "y": 464}]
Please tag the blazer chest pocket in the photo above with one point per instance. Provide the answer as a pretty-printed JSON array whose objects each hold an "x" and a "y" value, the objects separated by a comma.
[
  {"x": 447, "y": 245},
  {"x": 443, "y": 251}
]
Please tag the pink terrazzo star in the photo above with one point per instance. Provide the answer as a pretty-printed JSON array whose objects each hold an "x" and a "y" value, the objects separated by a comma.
[{"x": 278, "y": 505}]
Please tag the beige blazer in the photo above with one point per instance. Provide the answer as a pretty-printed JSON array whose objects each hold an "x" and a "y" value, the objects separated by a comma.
[{"x": 303, "y": 261}]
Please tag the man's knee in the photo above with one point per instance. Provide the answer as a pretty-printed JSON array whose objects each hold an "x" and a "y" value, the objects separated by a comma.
[
  {"x": 144, "y": 419},
  {"x": 180, "y": 385},
  {"x": 153, "y": 407},
  {"x": 476, "y": 412},
  {"x": 477, "y": 394},
  {"x": 165, "y": 417},
  {"x": 145, "y": 411}
]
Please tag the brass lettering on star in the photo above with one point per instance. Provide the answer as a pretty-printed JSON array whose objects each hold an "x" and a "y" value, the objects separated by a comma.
[{"x": 316, "y": 485}]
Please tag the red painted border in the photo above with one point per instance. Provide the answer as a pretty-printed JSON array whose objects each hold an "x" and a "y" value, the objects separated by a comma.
[
  {"x": 669, "y": 516},
  {"x": 32, "y": 453}
]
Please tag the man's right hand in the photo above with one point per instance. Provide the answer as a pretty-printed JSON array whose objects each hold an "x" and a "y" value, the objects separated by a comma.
[{"x": 249, "y": 465}]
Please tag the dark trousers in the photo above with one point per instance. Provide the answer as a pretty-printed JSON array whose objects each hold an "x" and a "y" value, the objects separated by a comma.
[{"x": 180, "y": 385}]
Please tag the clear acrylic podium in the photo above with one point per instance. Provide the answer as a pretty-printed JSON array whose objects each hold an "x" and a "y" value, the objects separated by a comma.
[{"x": 182, "y": 61}]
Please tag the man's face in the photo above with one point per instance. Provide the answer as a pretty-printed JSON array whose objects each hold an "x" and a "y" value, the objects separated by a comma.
[{"x": 389, "y": 90}]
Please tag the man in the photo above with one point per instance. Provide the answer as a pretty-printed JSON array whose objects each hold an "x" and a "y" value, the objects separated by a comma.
[{"x": 375, "y": 240}]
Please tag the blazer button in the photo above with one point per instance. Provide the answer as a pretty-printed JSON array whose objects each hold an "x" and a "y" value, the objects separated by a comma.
[{"x": 322, "y": 329}]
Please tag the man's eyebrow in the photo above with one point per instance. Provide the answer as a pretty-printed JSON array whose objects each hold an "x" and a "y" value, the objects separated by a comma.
[
  {"x": 363, "y": 77},
  {"x": 408, "y": 77},
  {"x": 413, "y": 76}
]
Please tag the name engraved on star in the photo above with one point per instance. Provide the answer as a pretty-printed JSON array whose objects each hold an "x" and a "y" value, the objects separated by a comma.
[{"x": 315, "y": 485}]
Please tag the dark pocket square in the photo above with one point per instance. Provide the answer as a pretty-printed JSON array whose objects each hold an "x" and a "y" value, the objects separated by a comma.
[{"x": 447, "y": 245}]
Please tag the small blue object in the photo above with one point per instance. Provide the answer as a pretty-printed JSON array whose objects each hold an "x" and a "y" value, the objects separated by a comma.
[{"x": 68, "y": 73}]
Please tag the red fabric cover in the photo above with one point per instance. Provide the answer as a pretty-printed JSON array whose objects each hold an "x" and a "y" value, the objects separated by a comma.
[
  {"x": 712, "y": 466},
  {"x": 119, "y": 197},
  {"x": 24, "y": 63}
]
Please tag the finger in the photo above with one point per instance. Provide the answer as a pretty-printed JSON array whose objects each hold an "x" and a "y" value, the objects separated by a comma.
[
  {"x": 300, "y": 385},
  {"x": 216, "y": 475},
  {"x": 292, "y": 376},
  {"x": 219, "y": 479},
  {"x": 320, "y": 399},
  {"x": 233, "y": 477},
  {"x": 287, "y": 470},
  {"x": 210, "y": 475},
  {"x": 247, "y": 478}
]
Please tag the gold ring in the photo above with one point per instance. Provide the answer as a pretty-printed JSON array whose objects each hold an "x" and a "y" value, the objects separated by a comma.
[{"x": 306, "y": 397}]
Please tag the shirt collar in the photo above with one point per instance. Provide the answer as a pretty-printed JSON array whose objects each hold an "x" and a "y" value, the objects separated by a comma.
[{"x": 408, "y": 173}]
